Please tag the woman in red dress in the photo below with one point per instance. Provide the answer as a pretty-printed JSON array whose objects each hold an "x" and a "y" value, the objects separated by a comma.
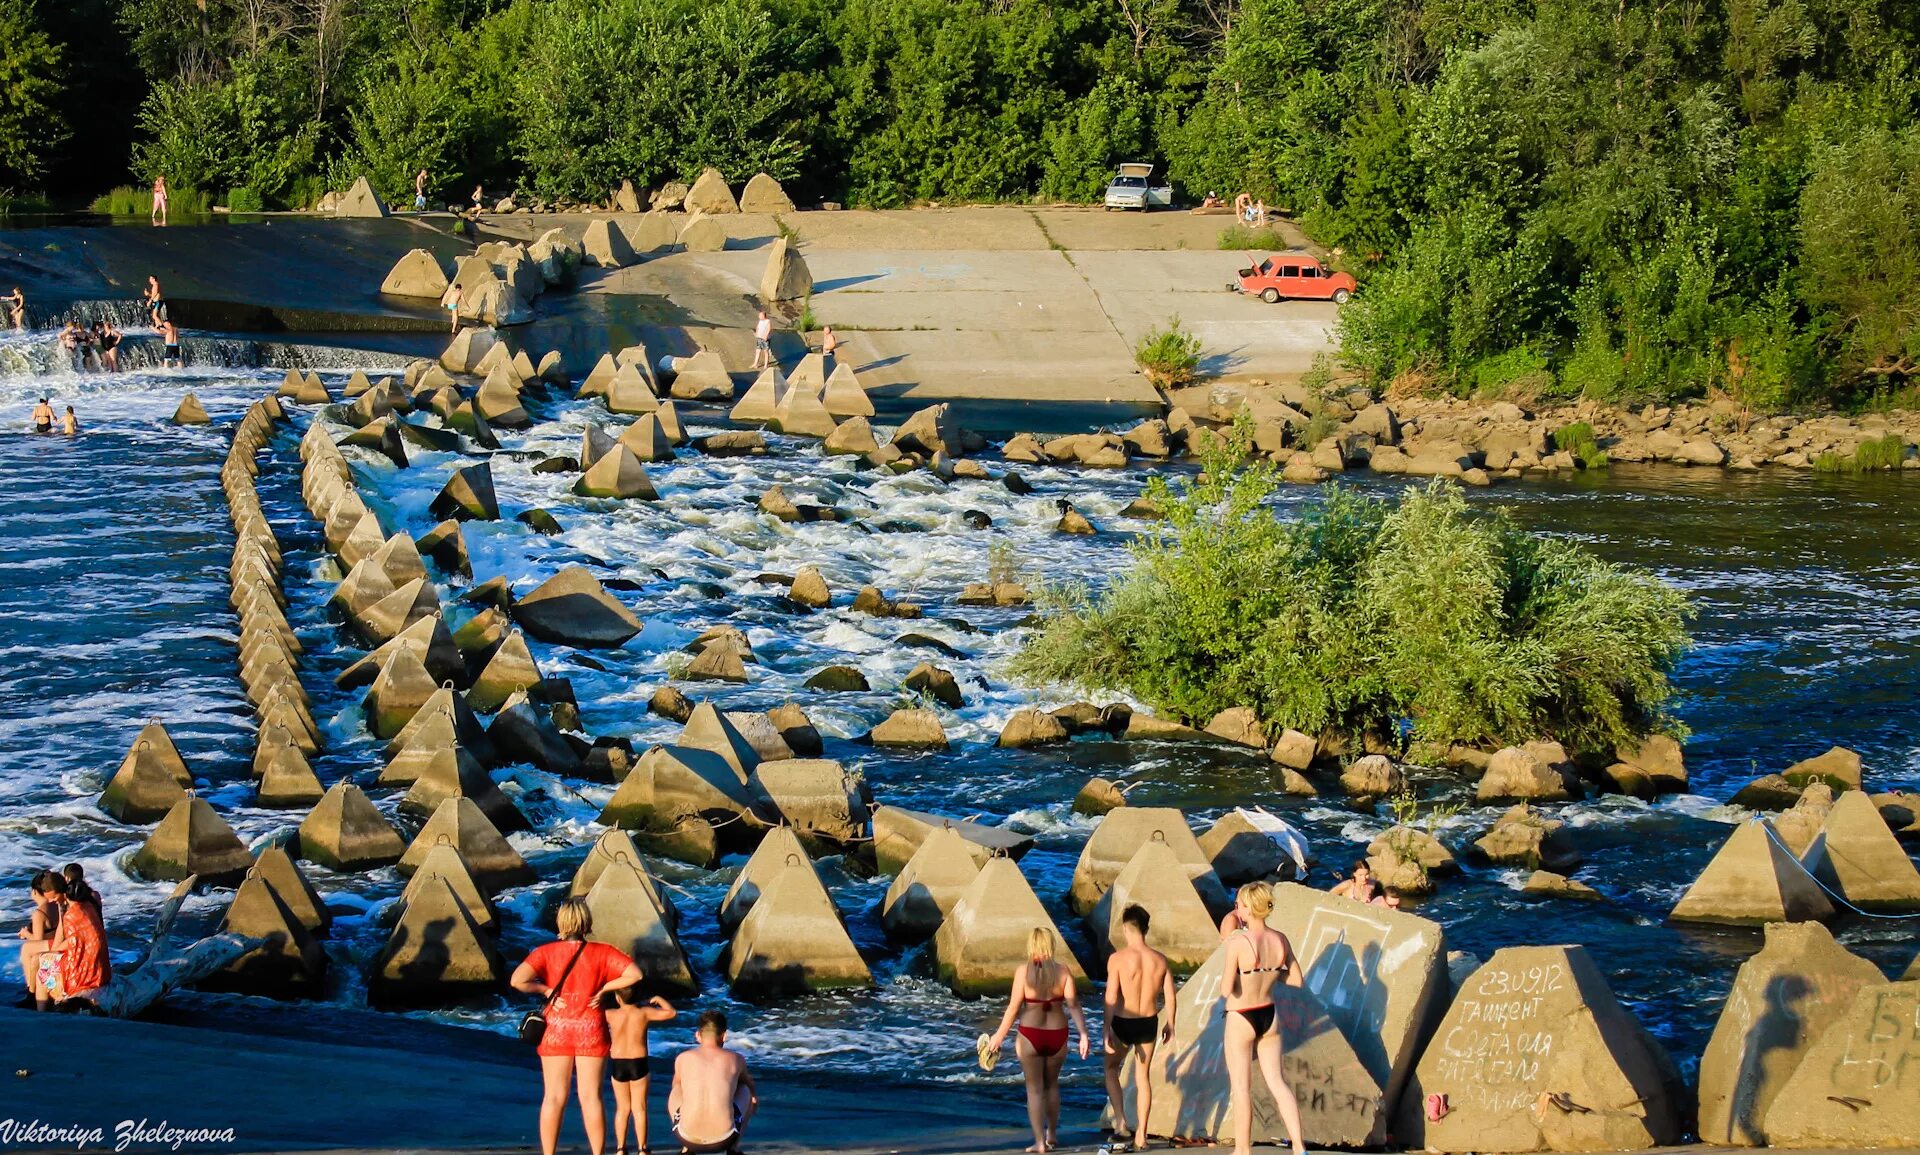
[
  {"x": 75, "y": 963},
  {"x": 574, "y": 1048}
]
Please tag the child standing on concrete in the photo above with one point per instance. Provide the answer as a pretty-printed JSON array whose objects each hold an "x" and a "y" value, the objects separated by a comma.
[{"x": 627, "y": 1022}]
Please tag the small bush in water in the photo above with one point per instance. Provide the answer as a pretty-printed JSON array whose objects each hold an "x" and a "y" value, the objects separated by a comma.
[
  {"x": 1879, "y": 453},
  {"x": 1369, "y": 615},
  {"x": 1578, "y": 439}
]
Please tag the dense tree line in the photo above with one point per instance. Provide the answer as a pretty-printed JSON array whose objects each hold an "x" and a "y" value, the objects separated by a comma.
[{"x": 1615, "y": 198}]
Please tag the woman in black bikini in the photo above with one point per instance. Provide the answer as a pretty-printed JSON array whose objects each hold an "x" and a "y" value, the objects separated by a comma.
[
  {"x": 1258, "y": 957},
  {"x": 1044, "y": 1001}
]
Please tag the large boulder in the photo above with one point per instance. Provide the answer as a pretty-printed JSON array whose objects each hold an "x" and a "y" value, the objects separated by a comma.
[
  {"x": 984, "y": 938},
  {"x": 1242, "y": 852},
  {"x": 899, "y": 833},
  {"x": 1526, "y": 837},
  {"x": 1653, "y": 767},
  {"x": 910, "y": 727},
  {"x": 763, "y": 194},
  {"x": 935, "y": 429},
  {"x": 1857, "y": 857},
  {"x": 786, "y": 277},
  {"x": 710, "y": 194},
  {"x": 702, "y": 233},
  {"x": 572, "y": 608},
  {"x": 1526, "y": 774},
  {"x": 1536, "y": 1054},
  {"x": 1121, "y": 834},
  {"x": 1783, "y": 1000},
  {"x": 1340, "y": 1100},
  {"x": 1180, "y": 925},
  {"x": 1752, "y": 880},
  {"x": 928, "y": 886},
  {"x": 1839, "y": 768},
  {"x": 418, "y": 274},
  {"x": 1855, "y": 1087}
]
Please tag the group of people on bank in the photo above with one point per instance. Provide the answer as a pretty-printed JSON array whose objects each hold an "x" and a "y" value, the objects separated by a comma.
[{"x": 63, "y": 947}]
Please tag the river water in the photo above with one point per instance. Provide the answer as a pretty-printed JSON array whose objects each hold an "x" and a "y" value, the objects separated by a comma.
[{"x": 113, "y": 611}]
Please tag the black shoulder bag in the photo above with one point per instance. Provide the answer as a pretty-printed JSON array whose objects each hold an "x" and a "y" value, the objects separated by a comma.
[{"x": 534, "y": 1027}]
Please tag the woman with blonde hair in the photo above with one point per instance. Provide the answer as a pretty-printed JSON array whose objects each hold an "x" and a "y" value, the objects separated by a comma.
[
  {"x": 572, "y": 975},
  {"x": 1044, "y": 1001},
  {"x": 1258, "y": 959}
]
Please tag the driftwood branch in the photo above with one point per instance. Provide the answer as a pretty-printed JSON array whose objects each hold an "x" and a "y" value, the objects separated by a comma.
[{"x": 164, "y": 969}]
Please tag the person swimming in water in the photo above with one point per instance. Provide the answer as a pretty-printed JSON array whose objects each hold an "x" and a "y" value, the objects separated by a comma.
[
  {"x": 16, "y": 303},
  {"x": 70, "y": 425},
  {"x": 1362, "y": 886},
  {"x": 43, "y": 417},
  {"x": 108, "y": 337},
  {"x": 172, "y": 359},
  {"x": 1258, "y": 959},
  {"x": 1044, "y": 1001}
]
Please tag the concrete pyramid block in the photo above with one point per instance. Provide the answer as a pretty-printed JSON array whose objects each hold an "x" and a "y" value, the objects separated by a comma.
[
  {"x": 816, "y": 797},
  {"x": 671, "y": 785},
  {"x": 291, "y": 962},
  {"x": 763, "y": 194},
  {"x": 595, "y": 443},
  {"x": 445, "y": 720},
  {"x": 1752, "y": 880},
  {"x": 710, "y": 194},
  {"x": 793, "y": 941},
  {"x": 572, "y": 608},
  {"x": 1181, "y": 927},
  {"x": 509, "y": 670},
  {"x": 801, "y": 414},
  {"x": 190, "y": 412},
  {"x": 779, "y": 850},
  {"x": 521, "y": 733},
  {"x": 1380, "y": 973},
  {"x": 606, "y": 245},
  {"x": 599, "y": 378},
  {"x": 1854, "y": 1088},
  {"x": 154, "y": 746},
  {"x": 762, "y": 399},
  {"x": 616, "y": 847},
  {"x": 450, "y": 774},
  {"x": 786, "y": 277},
  {"x": 708, "y": 729},
  {"x": 627, "y": 915},
  {"x": 343, "y": 832},
  {"x": 418, "y": 274},
  {"x": 448, "y": 549},
  {"x": 489, "y": 858},
  {"x": 845, "y": 396},
  {"x": 142, "y": 790},
  {"x": 402, "y": 687},
  {"x": 468, "y": 495},
  {"x": 436, "y": 952},
  {"x": 1340, "y": 1102},
  {"x": 810, "y": 372},
  {"x": 898, "y": 834},
  {"x": 428, "y": 639},
  {"x": 282, "y": 873},
  {"x": 619, "y": 474},
  {"x": 387, "y": 618},
  {"x": 928, "y": 886},
  {"x": 360, "y": 201},
  {"x": 669, "y": 419},
  {"x": 631, "y": 391},
  {"x": 646, "y": 440},
  {"x": 480, "y": 635},
  {"x": 498, "y": 357},
  {"x": 191, "y": 840},
  {"x": 1533, "y": 1023},
  {"x": 702, "y": 377},
  {"x": 468, "y": 346},
  {"x": 1241, "y": 852},
  {"x": 984, "y": 937},
  {"x": 441, "y": 863},
  {"x": 1119, "y": 837},
  {"x": 287, "y": 781},
  {"x": 1790, "y": 994},
  {"x": 498, "y": 400},
  {"x": 364, "y": 539},
  {"x": 1857, "y": 857},
  {"x": 279, "y": 709},
  {"x": 399, "y": 558},
  {"x": 438, "y": 733}
]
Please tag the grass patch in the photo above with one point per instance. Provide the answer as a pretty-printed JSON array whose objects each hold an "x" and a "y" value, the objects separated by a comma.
[
  {"x": 1319, "y": 427},
  {"x": 1247, "y": 237},
  {"x": 1169, "y": 355},
  {"x": 244, "y": 200},
  {"x": 18, "y": 202},
  {"x": 129, "y": 201},
  {"x": 807, "y": 322},
  {"x": 1880, "y": 453},
  {"x": 1422, "y": 616},
  {"x": 1578, "y": 439}
]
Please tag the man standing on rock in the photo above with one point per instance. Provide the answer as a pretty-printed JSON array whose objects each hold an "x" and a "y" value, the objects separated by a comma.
[
  {"x": 763, "y": 341},
  {"x": 1139, "y": 989}
]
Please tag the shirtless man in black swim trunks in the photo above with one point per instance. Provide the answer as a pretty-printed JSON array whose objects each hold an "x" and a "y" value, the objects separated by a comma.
[{"x": 1139, "y": 990}]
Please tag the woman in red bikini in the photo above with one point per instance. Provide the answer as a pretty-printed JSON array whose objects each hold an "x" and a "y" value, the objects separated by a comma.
[
  {"x": 572, "y": 975},
  {"x": 1258, "y": 958},
  {"x": 1044, "y": 1001}
]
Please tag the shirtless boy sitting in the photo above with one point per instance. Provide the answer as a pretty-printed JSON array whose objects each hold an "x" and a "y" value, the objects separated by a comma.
[
  {"x": 712, "y": 1092},
  {"x": 1139, "y": 990}
]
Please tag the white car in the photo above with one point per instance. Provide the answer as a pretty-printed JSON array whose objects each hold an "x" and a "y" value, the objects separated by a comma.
[{"x": 1133, "y": 188}]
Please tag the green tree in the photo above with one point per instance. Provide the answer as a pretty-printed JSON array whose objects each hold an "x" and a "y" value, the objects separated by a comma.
[
  {"x": 30, "y": 88},
  {"x": 1860, "y": 261}
]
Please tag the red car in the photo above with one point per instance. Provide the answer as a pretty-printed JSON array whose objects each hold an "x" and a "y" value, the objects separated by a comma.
[{"x": 1298, "y": 275}]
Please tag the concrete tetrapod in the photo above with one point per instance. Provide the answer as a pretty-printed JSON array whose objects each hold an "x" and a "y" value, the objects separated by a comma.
[
  {"x": 442, "y": 864},
  {"x": 468, "y": 495},
  {"x": 397, "y": 694},
  {"x": 1751, "y": 880},
  {"x": 984, "y": 937},
  {"x": 1181, "y": 926},
  {"x": 1380, "y": 973},
  {"x": 451, "y": 773},
  {"x": 708, "y": 729},
  {"x": 927, "y": 887},
  {"x": 1536, "y": 1054},
  {"x": 291, "y": 962},
  {"x": 778, "y": 850},
  {"x": 1855, "y": 1087},
  {"x": 617, "y": 474},
  {"x": 436, "y": 952},
  {"x": 280, "y": 870},
  {"x": 793, "y": 941},
  {"x": 1120, "y": 835},
  {"x": 1784, "y": 998},
  {"x": 344, "y": 832},
  {"x": 192, "y": 840},
  {"x": 1858, "y": 858},
  {"x": 627, "y": 914},
  {"x": 617, "y": 846},
  {"x": 445, "y": 720},
  {"x": 1340, "y": 1103},
  {"x": 818, "y": 798},
  {"x": 146, "y": 787},
  {"x": 898, "y": 834},
  {"x": 510, "y": 670},
  {"x": 572, "y": 608},
  {"x": 491, "y": 860}
]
